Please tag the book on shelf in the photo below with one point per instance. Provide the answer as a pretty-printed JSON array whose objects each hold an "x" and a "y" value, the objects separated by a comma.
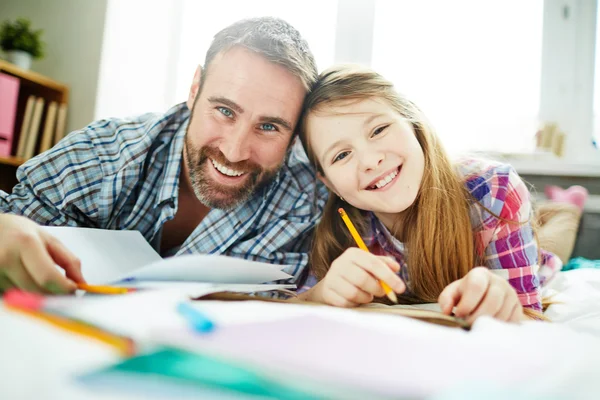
[
  {"x": 34, "y": 128},
  {"x": 49, "y": 127},
  {"x": 61, "y": 123},
  {"x": 27, "y": 116}
]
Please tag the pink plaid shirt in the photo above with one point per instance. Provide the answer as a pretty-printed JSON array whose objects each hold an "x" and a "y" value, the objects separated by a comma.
[{"x": 509, "y": 249}]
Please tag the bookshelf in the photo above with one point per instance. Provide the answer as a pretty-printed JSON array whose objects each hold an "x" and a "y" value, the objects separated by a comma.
[{"x": 30, "y": 84}]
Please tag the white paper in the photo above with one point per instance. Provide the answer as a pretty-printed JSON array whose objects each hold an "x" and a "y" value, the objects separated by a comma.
[
  {"x": 105, "y": 254},
  {"x": 137, "y": 314},
  {"x": 208, "y": 268},
  {"x": 109, "y": 256},
  {"x": 197, "y": 289}
]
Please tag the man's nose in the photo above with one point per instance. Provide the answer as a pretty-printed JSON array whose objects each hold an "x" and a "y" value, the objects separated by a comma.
[{"x": 236, "y": 145}]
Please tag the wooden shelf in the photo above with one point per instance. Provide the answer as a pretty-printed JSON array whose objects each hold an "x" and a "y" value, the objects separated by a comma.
[
  {"x": 32, "y": 77},
  {"x": 14, "y": 161},
  {"x": 32, "y": 85}
]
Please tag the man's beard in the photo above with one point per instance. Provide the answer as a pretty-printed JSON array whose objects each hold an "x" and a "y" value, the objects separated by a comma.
[{"x": 215, "y": 195}]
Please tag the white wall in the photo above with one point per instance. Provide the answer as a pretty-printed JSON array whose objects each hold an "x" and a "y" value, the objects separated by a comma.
[
  {"x": 73, "y": 32},
  {"x": 139, "y": 55},
  {"x": 148, "y": 63}
]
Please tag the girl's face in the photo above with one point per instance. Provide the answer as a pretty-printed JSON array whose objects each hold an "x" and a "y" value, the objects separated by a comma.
[{"x": 369, "y": 154}]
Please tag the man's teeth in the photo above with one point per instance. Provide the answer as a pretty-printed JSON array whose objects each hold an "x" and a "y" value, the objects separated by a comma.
[
  {"x": 385, "y": 180},
  {"x": 224, "y": 170}
]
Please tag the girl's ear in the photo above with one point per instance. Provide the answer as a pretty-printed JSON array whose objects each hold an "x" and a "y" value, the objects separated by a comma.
[{"x": 327, "y": 183}]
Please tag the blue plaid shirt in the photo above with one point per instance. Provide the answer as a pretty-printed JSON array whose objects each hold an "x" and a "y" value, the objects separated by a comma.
[{"x": 123, "y": 174}]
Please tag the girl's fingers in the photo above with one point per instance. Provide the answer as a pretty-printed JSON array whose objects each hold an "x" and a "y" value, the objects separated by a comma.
[
  {"x": 508, "y": 308},
  {"x": 492, "y": 302},
  {"x": 517, "y": 314},
  {"x": 352, "y": 293},
  {"x": 449, "y": 297},
  {"x": 391, "y": 263},
  {"x": 378, "y": 268},
  {"x": 334, "y": 299},
  {"x": 365, "y": 281},
  {"x": 473, "y": 289}
]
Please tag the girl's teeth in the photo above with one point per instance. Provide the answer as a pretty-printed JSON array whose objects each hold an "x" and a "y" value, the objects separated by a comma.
[{"x": 386, "y": 180}]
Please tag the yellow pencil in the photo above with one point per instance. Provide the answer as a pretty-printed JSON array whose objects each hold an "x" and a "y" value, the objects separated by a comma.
[
  {"x": 103, "y": 289},
  {"x": 125, "y": 346},
  {"x": 388, "y": 290}
]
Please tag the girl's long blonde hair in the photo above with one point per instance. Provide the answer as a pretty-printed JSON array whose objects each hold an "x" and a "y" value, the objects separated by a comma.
[{"x": 436, "y": 227}]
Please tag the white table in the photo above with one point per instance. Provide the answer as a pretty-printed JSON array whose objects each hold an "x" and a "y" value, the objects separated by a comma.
[{"x": 40, "y": 361}]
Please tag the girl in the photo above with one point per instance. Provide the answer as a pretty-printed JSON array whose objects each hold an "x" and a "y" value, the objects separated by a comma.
[{"x": 459, "y": 234}]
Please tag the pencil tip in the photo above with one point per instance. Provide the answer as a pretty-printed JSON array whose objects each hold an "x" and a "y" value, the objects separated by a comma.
[{"x": 392, "y": 296}]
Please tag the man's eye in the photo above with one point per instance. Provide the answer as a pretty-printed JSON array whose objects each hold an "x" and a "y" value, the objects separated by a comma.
[
  {"x": 225, "y": 111},
  {"x": 268, "y": 127},
  {"x": 341, "y": 156}
]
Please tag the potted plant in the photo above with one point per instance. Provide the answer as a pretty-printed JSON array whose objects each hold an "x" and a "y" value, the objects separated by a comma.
[{"x": 20, "y": 43}]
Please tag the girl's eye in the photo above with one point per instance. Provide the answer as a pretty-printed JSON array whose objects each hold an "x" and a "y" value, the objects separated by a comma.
[
  {"x": 341, "y": 156},
  {"x": 268, "y": 127},
  {"x": 225, "y": 111},
  {"x": 379, "y": 130}
]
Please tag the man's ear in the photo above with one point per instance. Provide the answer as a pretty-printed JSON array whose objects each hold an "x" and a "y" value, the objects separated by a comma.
[
  {"x": 194, "y": 88},
  {"x": 327, "y": 183}
]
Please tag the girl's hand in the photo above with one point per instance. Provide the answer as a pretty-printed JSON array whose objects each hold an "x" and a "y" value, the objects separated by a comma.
[
  {"x": 480, "y": 292},
  {"x": 353, "y": 279}
]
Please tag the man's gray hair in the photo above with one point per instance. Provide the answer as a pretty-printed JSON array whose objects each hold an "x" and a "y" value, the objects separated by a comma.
[{"x": 274, "y": 39}]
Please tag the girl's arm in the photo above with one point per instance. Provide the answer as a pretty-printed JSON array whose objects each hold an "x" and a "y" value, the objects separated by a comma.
[
  {"x": 507, "y": 284},
  {"x": 512, "y": 251}
]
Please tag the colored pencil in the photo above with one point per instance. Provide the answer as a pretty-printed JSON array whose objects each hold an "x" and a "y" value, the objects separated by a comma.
[
  {"x": 361, "y": 244},
  {"x": 103, "y": 289}
]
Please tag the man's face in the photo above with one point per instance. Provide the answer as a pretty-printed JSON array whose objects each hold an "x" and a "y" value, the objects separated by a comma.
[{"x": 240, "y": 127}]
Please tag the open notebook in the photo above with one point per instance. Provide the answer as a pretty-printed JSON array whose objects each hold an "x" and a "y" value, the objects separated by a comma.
[
  {"x": 423, "y": 312},
  {"x": 124, "y": 257}
]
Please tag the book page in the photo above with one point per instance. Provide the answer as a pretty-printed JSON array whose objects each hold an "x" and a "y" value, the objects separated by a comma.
[
  {"x": 106, "y": 255},
  {"x": 208, "y": 268},
  {"x": 425, "y": 306}
]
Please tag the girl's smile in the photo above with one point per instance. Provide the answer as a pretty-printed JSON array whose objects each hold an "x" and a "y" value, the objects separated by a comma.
[
  {"x": 385, "y": 181},
  {"x": 369, "y": 154}
]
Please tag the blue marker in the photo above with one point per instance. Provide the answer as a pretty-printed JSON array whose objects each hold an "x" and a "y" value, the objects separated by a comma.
[{"x": 198, "y": 321}]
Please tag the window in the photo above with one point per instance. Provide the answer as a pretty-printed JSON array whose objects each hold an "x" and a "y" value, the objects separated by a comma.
[
  {"x": 148, "y": 62},
  {"x": 201, "y": 20},
  {"x": 486, "y": 73},
  {"x": 472, "y": 66},
  {"x": 596, "y": 136}
]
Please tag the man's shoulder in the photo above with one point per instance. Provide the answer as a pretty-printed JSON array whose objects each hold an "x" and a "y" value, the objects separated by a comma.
[
  {"x": 117, "y": 142},
  {"x": 300, "y": 175}
]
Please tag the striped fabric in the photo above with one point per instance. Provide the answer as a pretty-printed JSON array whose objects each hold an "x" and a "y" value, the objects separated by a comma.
[
  {"x": 123, "y": 174},
  {"x": 509, "y": 249}
]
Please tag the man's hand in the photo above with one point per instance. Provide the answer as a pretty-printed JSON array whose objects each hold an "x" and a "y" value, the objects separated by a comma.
[
  {"x": 480, "y": 292},
  {"x": 29, "y": 255}
]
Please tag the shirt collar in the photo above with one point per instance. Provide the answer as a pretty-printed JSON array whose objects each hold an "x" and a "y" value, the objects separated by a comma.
[
  {"x": 377, "y": 231},
  {"x": 169, "y": 186}
]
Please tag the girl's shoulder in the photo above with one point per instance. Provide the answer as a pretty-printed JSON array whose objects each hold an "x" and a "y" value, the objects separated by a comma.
[{"x": 492, "y": 184}]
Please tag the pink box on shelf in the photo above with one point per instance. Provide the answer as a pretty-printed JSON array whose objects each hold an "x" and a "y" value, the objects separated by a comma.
[{"x": 9, "y": 96}]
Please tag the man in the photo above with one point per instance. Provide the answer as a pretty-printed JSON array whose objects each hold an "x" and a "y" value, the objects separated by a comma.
[{"x": 214, "y": 175}]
